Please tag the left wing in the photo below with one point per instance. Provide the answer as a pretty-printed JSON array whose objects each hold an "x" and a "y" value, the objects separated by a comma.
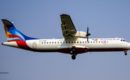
[{"x": 68, "y": 28}]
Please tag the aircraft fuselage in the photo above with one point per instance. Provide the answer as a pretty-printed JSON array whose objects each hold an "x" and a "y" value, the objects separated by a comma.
[{"x": 80, "y": 45}]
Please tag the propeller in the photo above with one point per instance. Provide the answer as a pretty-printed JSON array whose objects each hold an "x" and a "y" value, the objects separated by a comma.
[{"x": 87, "y": 34}]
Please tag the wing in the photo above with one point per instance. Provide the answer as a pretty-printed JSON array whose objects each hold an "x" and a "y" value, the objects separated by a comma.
[{"x": 68, "y": 28}]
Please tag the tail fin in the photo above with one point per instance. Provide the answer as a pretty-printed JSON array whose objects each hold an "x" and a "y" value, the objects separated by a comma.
[{"x": 12, "y": 33}]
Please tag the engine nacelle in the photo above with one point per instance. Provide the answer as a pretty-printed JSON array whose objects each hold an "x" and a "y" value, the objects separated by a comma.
[{"x": 80, "y": 34}]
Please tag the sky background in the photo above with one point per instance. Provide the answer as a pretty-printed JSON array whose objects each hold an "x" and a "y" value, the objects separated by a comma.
[{"x": 41, "y": 19}]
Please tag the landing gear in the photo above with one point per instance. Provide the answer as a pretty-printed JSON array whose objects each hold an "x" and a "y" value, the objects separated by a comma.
[
  {"x": 73, "y": 53},
  {"x": 73, "y": 57},
  {"x": 125, "y": 52}
]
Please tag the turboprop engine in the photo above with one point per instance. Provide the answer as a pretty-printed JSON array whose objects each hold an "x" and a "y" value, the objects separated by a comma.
[{"x": 81, "y": 34}]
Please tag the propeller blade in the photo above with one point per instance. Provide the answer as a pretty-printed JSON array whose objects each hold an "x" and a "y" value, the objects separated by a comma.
[{"x": 87, "y": 34}]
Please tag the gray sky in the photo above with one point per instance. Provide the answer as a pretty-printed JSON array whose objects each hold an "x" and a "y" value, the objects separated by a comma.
[{"x": 40, "y": 18}]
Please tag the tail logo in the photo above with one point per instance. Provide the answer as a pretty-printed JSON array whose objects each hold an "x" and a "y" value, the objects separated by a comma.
[{"x": 12, "y": 33}]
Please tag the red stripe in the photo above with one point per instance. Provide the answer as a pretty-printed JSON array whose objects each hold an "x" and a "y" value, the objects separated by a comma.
[{"x": 22, "y": 44}]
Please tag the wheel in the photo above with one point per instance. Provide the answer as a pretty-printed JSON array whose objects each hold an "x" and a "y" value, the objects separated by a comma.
[
  {"x": 125, "y": 52},
  {"x": 73, "y": 57}
]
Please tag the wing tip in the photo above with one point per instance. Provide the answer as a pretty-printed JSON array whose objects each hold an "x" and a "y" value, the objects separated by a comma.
[{"x": 62, "y": 15}]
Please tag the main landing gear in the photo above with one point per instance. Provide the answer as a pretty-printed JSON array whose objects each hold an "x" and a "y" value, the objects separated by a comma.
[
  {"x": 73, "y": 57},
  {"x": 125, "y": 52},
  {"x": 73, "y": 53}
]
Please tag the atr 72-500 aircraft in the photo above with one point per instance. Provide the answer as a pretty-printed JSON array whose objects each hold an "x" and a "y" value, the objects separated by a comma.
[{"x": 74, "y": 42}]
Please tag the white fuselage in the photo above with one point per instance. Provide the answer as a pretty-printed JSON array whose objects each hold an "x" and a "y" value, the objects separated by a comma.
[{"x": 81, "y": 45}]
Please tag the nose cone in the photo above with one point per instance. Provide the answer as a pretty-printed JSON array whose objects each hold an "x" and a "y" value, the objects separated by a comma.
[{"x": 128, "y": 46}]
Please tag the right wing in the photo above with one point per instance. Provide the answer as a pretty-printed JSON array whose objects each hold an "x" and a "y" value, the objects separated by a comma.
[{"x": 68, "y": 28}]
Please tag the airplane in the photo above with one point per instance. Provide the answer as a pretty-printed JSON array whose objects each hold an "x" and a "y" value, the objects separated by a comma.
[{"x": 74, "y": 42}]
